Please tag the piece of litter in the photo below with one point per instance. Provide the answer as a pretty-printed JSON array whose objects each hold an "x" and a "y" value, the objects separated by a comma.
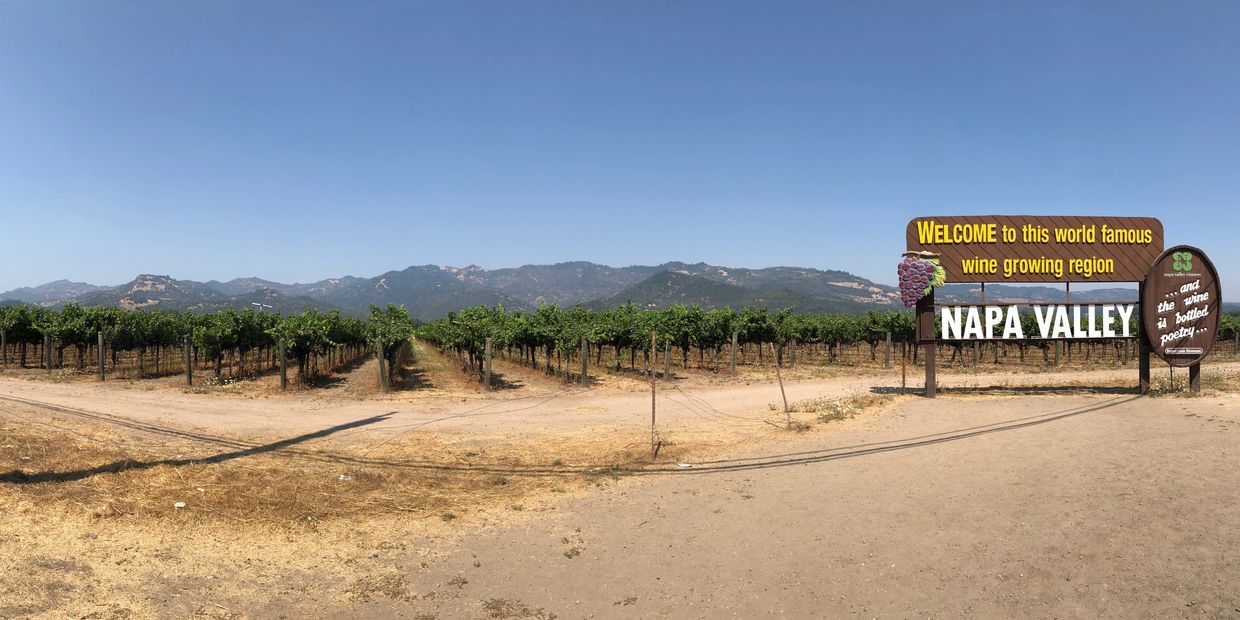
[
  {"x": 685, "y": 465},
  {"x": 201, "y": 490},
  {"x": 345, "y": 478},
  {"x": 179, "y": 505}
]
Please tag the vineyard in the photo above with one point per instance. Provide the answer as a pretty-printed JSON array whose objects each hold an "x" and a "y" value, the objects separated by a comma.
[
  {"x": 555, "y": 339},
  {"x": 228, "y": 343},
  {"x": 564, "y": 342}
]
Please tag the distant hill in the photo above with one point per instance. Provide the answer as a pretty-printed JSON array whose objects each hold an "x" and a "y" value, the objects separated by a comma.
[
  {"x": 166, "y": 293},
  {"x": 242, "y": 286},
  {"x": 431, "y": 291},
  {"x": 667, "y": 288},
  {"x": 562, "y": 283},
  {"x": 50, "y": 293},
  {"x": 428, "y": 291}
]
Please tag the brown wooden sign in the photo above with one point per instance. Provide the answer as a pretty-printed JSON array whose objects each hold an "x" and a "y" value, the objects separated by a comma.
[
  {"x": 1180, "y": 306},
  {"x": 1046, "y": 249}
]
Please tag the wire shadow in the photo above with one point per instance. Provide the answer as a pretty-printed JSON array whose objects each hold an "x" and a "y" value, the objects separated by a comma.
[
  {"x": 20, "y": 477},
  {"x": 831, "y": 454}
]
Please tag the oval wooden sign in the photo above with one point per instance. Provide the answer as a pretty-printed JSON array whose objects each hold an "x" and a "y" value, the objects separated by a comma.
[{"x": 1180, "y": 306}]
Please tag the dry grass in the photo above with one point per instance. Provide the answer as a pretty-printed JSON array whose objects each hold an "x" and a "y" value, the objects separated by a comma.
[
  {"x": 842, "y": 408},
  {"x": 1213, "y": 382},
  {"x": 300, "y": 488},
  {"x": 92, "y": 526}
]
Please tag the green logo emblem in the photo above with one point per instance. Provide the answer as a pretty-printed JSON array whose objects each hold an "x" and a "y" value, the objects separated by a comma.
[{"x": 1182, "y": 261}]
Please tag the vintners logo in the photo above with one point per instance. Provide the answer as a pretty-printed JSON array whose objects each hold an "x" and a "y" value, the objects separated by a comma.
[{"x": 1182, "y": 261}]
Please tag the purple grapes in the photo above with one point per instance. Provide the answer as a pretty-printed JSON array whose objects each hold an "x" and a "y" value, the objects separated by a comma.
[{"x": 915, "y": 276}]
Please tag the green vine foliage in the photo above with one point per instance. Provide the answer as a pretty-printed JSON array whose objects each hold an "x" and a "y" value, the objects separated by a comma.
[{"x": 627, "y": 328}]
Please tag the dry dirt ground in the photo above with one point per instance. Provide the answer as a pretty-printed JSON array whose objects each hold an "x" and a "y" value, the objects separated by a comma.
[{"x": 541, "y": 501}]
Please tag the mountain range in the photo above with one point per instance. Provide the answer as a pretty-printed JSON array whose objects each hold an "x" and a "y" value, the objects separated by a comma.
[{"x": 431, "y": 291}]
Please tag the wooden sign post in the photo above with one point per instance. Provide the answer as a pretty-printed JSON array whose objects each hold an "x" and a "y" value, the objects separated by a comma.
[{"x": 1180, "y": 307}]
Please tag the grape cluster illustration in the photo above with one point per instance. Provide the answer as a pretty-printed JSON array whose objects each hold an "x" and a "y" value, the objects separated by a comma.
[{"x": 917, "y": 277}]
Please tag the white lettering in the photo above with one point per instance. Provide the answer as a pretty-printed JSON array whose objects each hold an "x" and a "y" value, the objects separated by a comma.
[{"x": 1012, "y": 327}]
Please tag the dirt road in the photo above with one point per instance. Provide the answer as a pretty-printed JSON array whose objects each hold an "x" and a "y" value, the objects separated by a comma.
[
  {"x": 1017, "y": 507},
  {"x": 549, "y": 411},
  {"x": 1095, "y": 505}
]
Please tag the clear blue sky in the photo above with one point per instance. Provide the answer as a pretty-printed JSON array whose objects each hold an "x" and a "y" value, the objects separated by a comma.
[{"x": 300, "y": 140}]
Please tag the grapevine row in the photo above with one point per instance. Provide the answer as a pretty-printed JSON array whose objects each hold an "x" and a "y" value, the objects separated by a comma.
[
  {"x": 558, "y": 334},
  {"x": 211, "y": 336}
]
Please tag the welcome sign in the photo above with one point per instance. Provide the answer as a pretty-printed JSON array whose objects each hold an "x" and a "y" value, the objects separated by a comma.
[{"x": 1045, "y": 249}]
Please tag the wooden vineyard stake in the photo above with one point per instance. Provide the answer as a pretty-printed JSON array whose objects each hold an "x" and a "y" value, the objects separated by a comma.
[
  {"x": 654, "y": 441},
  {"x": 732, "y": 366},
  {"x": 99, "y": 355},
  {"x": 585, "y": 360},
  {"x": 383, "y": 376},
  {"x": 189, "y": 368},
  {"x": 887, "y": 352},
  {"x": 903, "y": 371},
  {"x": 780, "y": 378},
  {"x": 486, "y": 363},
  {"x": 283, "y": 366}
]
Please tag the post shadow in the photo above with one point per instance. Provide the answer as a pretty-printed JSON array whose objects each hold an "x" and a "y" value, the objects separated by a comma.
[{"x": 20, "y": 477}]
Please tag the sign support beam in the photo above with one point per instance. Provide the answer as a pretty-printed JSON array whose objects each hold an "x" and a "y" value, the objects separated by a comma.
[{"x": 926, "y": 337}]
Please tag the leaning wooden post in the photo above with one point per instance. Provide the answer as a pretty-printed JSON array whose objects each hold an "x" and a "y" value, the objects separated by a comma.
[
  {"x": 585, "y": 359},
  {"x": 654, "y": 441},
  {"x": 779, "y": 377},
  {"x": 99, "y": 355},
  {"x": 486, "y": 363},
  {"x": 732, "y": 366},
  {"x": 887, "y": 352},
  {"x": 383, "y": 375},
  {"x": 189, "y": 368}
]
